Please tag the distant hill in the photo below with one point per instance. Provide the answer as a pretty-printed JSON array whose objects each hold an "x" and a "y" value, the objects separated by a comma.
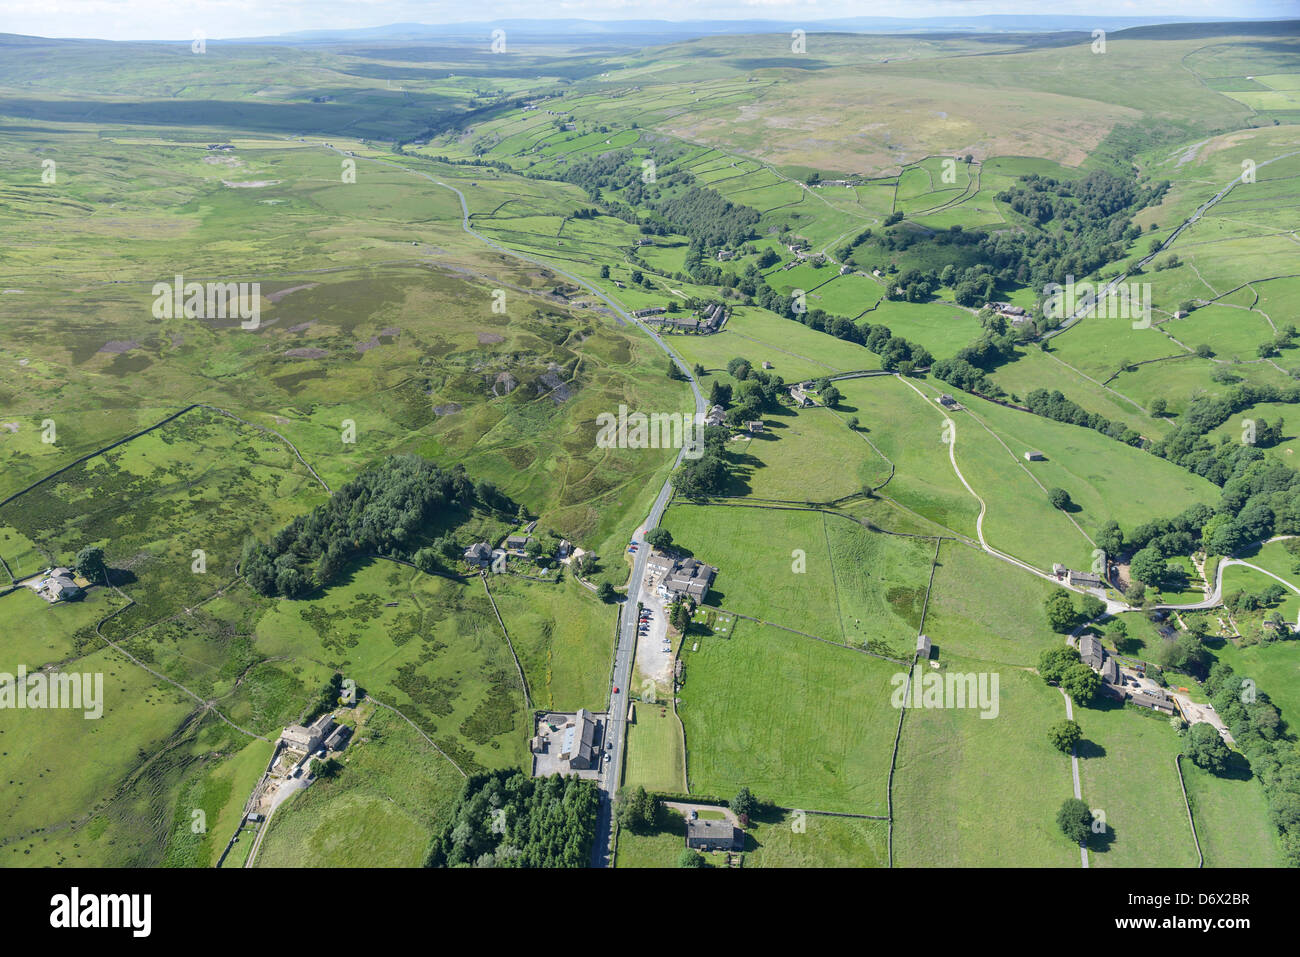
[{"x": 648, "y": 32}]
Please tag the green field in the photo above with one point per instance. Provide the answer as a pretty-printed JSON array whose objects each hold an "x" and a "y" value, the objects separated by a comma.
[
  {"x": 828, "y": 748},
  {"x": 380, "y": 811},
  {"x": 970, "y": 791},
  {"x": 774, "y": 839},
  {"x": 654, "y": 757},
  {"x": 392, "y": 320}
]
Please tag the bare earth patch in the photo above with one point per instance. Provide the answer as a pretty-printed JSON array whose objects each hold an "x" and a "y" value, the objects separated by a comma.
[
  {"x": 281, "y": 293},
  {"x": 118, "y": 346},
  {"x": 310, "y": 352},
  {"x": 487, "y": 338}
]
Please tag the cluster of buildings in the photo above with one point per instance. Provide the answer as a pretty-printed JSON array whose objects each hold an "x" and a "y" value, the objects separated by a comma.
[
  {"x": 57, "y": 584},
  {"x": 707, "y": 320},
  {"x": 1076, "y": 579},
  {"x": 566, "y": 743},
  {"x": 681, "y": 577},
  {"x": 1015, "y": 315},
  {"x": 516, "y": 544},
  {"x": 1115, "y": 683},
  {"x": 324, "y": 732},
  {"x": 652, "y": 311}
]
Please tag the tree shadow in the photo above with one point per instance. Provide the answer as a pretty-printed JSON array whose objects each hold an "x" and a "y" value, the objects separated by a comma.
[
  {"x": 1101, "y": 843},
  {"x": 1087, "y": 750}
]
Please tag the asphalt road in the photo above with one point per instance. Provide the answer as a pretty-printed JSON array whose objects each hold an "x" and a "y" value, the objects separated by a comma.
[{"x": 625, "y": 652}]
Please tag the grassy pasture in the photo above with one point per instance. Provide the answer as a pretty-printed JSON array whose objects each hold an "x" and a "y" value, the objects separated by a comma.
[
  {"x": 381, "y": 810},
  {"x": 983, "y": 609},
  {"x": 971, "y": 791},
  {"x": 815, "y": 573},
  {"x": 425, "y": 645},
  {"x": 1128, "y": 771},
  {"x": 1232, "y": 821},
  {"x": 829, "y": 747},
  {"x": 654, "y": 751},
  {"x": 774, "y": 839},
  {"x": 908, "y": 430},
  {"x": 807, "y": 455}
]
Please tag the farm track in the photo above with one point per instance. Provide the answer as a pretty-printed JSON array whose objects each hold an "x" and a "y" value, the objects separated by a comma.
[{"x": 1105, "y": 291}]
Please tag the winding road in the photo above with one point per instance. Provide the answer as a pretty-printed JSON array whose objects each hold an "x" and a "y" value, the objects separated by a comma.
[{"x": 1215, "y": 598}]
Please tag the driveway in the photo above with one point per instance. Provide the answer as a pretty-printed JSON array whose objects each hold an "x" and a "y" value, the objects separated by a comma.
[
  {"x": 1197, "y": 713},
  {"x": 686, "y": 809}
]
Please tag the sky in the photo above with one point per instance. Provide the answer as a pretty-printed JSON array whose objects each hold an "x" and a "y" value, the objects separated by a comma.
[{"x": 214, "y": 19}]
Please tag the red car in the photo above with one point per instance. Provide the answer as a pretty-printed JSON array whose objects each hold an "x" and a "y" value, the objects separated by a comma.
[{"x": 616, "y": 689}]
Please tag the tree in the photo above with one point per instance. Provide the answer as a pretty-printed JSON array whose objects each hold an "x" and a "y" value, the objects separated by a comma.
[
  {"x": 830, "y": 395},
  {"x": 1064, "y": 735},
  {"x": 604, "y": 272},
  {"x": 1091, "y": 607},
  {"x": 659, "y": 537},
  {"x": 673, "y": 371},
  {"x": 1206, "y": 748},
  {"x": 1159, "y": 406},
  {"x": 637, "y": 809},
  {"x": 328, "y": 768},
  {"x": 1053, "y": 662},
  {"x": 744, "y": 803},
  {"x": 606, "y": 592},
  {"x": 90, "y": 563},
  {"x": 1059, "y": 498},
  {"x": 698, "y": 371},
  {"x": 1061, "y": 616},
  {"x": 852, "y": 422},
  {"x": 680, "y": 613},
  {"x": 689, "y": 858},
  {"x": 739, "y": 368},
  {"x": 1147, "y": 566},
  {"x": 1075, "y": 820},
  {"x": 1081, "y": 683}
]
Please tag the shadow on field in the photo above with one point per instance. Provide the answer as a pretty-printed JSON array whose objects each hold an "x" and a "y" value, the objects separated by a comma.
[
  {"x": 1101, "y": 843},
  {"x": 1087, "y": 750}
]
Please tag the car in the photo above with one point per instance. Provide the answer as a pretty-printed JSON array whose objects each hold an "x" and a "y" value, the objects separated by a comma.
[
  {"x": 610, "y": 746},
  {"x": 615, "y": 689}
]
